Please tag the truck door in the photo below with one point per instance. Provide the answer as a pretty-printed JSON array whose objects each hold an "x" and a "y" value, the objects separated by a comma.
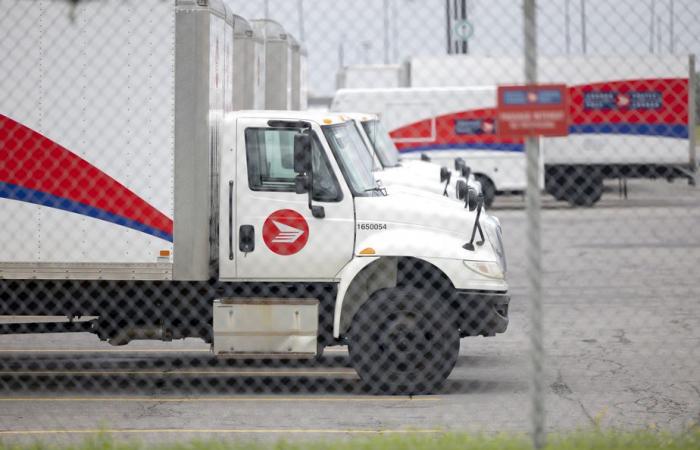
[{"x": 276, "y": 235}]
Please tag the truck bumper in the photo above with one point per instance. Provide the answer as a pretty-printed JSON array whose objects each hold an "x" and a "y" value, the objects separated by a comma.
[{"x": 481, "y": 313}]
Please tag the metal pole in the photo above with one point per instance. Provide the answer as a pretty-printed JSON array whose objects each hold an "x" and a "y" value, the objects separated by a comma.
[
  {"x": 448, "y": 26},
  {"x": 671, "y": 19},
  {"x": 266, "y": 11},
  {"x": 394, "y": 32},
  {"x": 583, "y": 26},
  {"x": 566, "y": 25},
  {"x": 534, "y": 251},
  {"x": 658, "y": 34},
  {"x": 386, "y": 31},
  {"x": 652, "y": 7},
  {"x": 465, "y": 16},
  {"x": 301, "y": 20}
]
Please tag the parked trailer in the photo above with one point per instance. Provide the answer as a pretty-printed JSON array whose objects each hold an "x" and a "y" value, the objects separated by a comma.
[
  {"x": 630, "y": 117},
  {"x": 166, "y": 215},
  {"x": 496, "y": 163}
]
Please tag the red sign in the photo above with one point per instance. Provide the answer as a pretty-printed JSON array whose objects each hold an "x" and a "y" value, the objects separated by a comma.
[
  {"x": 285, "y": 232},
  {"x": 533, "y": 110}
]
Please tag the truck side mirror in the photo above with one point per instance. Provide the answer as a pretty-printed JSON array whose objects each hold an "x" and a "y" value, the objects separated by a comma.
[
  {"x": 462, "y": 189},
  {"x": 472, "y": 200},
  {"x": 444, "y": 174},
  {"x": 466, "y": 171},
  {"x": 459, "y": 163},
  {"x": 302, "y": 153}
]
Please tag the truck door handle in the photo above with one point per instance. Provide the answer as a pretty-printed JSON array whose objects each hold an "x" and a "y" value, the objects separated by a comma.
[
  {"x": 246, "y": 238},
  {"x": 230, "y": 220}
]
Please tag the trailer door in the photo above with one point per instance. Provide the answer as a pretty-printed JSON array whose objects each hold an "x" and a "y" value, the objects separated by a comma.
[{"x": 276, "y": 236}]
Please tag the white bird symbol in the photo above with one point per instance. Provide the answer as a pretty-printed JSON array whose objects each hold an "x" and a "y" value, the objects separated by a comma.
[{"x": 287, "y": 234}]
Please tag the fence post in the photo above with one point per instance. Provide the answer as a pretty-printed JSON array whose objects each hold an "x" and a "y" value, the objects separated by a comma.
[{"x": 534, "y": 251}]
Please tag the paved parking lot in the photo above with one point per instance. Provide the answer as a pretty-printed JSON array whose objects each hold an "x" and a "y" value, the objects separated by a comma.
[{"x": 622, "y": 318}]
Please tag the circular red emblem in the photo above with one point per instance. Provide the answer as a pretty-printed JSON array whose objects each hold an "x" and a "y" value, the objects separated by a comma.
[{"x": 285, "y": 232}]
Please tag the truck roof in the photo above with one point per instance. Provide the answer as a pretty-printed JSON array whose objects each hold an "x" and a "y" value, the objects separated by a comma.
[{"x": 320, "y": 117}]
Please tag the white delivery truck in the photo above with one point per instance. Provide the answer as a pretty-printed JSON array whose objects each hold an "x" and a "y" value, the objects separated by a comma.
[
  {"x": 630, "y": 117},
  {"x": 144, "y": 201},
  {"x": 496, "y": 164}
]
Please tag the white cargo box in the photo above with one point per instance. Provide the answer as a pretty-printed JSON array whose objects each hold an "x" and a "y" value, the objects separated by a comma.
[{"x": 265, "y": 326}]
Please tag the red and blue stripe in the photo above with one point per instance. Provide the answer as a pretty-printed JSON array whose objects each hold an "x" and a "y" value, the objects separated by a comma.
[
  {"x": 35, "y": 169},
  {"x": 670, "y": 120}
]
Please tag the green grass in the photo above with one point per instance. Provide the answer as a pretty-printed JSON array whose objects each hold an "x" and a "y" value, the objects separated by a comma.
[{"x": 598, "y": 440}]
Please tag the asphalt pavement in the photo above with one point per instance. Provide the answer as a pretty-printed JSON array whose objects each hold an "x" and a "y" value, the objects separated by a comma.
[{"x": 622, "y": 329}]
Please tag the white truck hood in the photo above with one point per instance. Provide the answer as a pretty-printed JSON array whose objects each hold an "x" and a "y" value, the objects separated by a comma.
[{"x": 431, "y": 226}]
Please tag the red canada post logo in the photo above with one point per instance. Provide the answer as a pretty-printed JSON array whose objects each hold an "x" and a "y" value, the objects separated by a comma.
[{"x": 285, "y": 232}]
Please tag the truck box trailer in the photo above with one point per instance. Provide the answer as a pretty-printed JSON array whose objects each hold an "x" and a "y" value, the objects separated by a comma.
[
  {"x": 630, "y": 117},
  {"x": 299, "y": 77},
  {"x": 278, "y": 64},
  {"x": 248, "y": 66},
  {"x": 142, "y": 200},
  {"x": 376, "y": 76}
]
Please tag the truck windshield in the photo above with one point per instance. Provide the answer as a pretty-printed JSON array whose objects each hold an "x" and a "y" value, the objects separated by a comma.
[
  {"x": 353, "y": 158},
  {"x": 386, "y": 150}
]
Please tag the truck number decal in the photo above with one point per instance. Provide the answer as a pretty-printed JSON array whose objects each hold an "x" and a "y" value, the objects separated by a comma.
[{"x": 371, "y": 226}]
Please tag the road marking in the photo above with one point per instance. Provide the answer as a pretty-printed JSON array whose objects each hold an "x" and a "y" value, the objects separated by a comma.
[
  {"x": 257, "y": 373},
  {"x": 224, "y": 431},
  {"x": 223, "y": 399}
]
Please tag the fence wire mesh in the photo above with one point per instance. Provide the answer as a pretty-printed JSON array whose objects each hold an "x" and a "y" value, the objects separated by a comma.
[{"x": 311, "y": 203}]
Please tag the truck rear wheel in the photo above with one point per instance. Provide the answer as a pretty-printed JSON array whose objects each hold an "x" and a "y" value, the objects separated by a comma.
[
  {"x": 401, "y": 342},
  {"x": 577, "y": 185}
]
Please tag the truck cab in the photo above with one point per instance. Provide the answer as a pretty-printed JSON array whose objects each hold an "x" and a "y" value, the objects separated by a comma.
[{"x": 299, "y": 204}]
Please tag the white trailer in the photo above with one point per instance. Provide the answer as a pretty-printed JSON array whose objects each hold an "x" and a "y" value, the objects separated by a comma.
[
  {"x": 420, "y": 128},
  {"x": 630, "y": 117},
  {"x": 374, "y": 76},
  {"x": 145, "y": 201}
]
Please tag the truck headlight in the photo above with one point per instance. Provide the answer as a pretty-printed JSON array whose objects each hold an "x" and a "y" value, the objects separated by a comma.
[
  {"x": 495, "y": 234},
  {"x": 486, "y": 268}
]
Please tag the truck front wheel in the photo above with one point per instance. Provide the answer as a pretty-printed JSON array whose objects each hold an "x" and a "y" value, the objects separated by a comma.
[{"x": 403, "y": 342}]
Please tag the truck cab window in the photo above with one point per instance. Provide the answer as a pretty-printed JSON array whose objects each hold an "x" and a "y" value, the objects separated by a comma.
[{"x": 270, "y": 158}]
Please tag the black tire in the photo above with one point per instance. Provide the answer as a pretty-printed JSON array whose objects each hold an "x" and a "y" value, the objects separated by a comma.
[
  {"x": 487, "y": 188},
  {"x": 579, "y": 186},
  {"x": 403, "y": 342}
]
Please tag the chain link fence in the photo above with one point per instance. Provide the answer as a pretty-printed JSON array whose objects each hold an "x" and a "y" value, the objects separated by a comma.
[{"x": 311, "y": 203}]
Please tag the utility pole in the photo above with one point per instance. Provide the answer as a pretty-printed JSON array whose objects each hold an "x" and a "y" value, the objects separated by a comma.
[
  {"x": 652, "y": 14},
  {"x": 300, "y": 4},
  {"x": 266, "y": 11},
  {"x": 386, "y": 31},
  {"x": 671, "y": 19},
  {"x": 583, "y": 26},
  {"x": 566, "y": 25}
]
